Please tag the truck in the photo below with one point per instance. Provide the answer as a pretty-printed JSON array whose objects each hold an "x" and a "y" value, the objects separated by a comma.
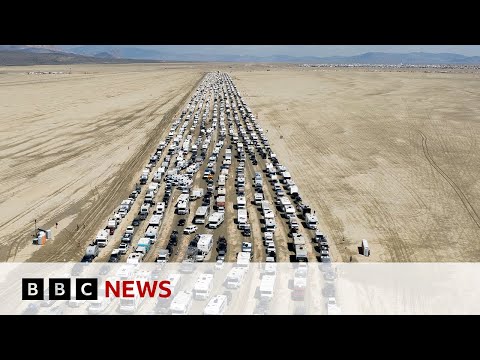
[
  {"x": 196, "y": 194},
  {"x": 220, "y": 203},
  {"x": 102, "y": 238},
  {"x": 215, "y": 220},
  {"x": 163, "y": 256},
  {"x": 181, "y": 303},
  {"x": 145, "y": 243},
  {"x": 203, "y": 286}
]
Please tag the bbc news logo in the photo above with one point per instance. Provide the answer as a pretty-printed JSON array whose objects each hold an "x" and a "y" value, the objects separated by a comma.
[
  {"x": 87, "y": 289},
  {"x": 59, "y": 289}
]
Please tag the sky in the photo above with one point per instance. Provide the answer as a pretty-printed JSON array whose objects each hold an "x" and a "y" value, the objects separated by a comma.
[{"x": 307, "y": 50}]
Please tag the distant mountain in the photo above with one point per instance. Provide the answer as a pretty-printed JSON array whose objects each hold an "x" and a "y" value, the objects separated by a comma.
[
  {"x": 414, "y": 58},
  {"x": 52, "y": 54},
  {"x": 118, "y": 52},
  {"x": 367, "y": 58},
  {"x": 24, "y": 57}
]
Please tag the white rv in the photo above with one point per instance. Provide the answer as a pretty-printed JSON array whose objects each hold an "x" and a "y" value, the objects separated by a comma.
[
  {"x": 242, "y": 217},
  {"x": 102, "y": 238},
  {"x": 205, "y": 243},
  {"x": 311, "y": 220},
  {"x": 215, "y": 220},
  {"x": 203, "y": 287},
  {"x": 267, "y": 286},
  {"x": 241, "y": 202},
  {"x": 201, "y": 215},
  {"x": 216, "y": 306},
  {"x": 181, "y": 303}
]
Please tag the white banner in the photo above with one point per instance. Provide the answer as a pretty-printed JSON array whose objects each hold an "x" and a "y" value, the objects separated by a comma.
[{"x": 257, "y": 288}]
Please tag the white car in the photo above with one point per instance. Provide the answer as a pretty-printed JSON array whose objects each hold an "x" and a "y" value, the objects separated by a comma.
[
  {"x": 130, "y": 230},
  {"x": 219, "y": 264},
  {"x": 190, "y": 229},
  {"x": 123, "y": 248}
]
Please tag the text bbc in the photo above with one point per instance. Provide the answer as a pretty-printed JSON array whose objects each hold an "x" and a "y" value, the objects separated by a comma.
[
  {"x": 59, "y": 289},
  {"x": 87, "y": 289}
]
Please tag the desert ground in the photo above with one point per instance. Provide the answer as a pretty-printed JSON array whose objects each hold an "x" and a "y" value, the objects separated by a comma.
[
  {"x": 70, "y": 142},
  {"x": 391, "y": 157}
]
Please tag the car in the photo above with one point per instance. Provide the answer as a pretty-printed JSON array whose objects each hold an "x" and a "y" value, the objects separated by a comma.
[
  {"x": 104, "y": 270},
  {"x": 136, "y": 221},
  {"x": 127, "y": 238},
  {"x": 130, "y": 230},
  {"x": 219, "y": 264},
  {"x": 87, "y": 259},
  {"x": 247, "y": 231},
  {"x": 123, "y": 248},
  {"x": 190, "y": 229},
  {"x": 181, "y": 222}
]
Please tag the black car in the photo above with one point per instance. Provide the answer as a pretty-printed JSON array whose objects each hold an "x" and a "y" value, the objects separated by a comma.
[
  {"x": 138, "y": 189},
  {"x": 114, "y": 258},
  {"x": 170, "y": 249},
  {"x": 181, "y": 222},
  {"x": 247, "y": 232},
  {"x": 136, "y": 221},
  {"x": 87, "y": 259}
]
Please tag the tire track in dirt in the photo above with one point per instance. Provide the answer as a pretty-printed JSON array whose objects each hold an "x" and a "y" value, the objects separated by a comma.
[
  {"x": 466, "y": 203},
  {"x": 64, "y": 247}
]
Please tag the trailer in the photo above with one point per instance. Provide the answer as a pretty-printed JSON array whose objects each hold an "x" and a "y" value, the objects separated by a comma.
[
  {"x": 267, "y": 287},
  {"x": 241, "y": 202},
  {"x": 242, "y": 218},
  {"x": 203, "y": 286},
  {"x": 152, "y": 233},
  {"x": 102, "y": 238},
  {"x": 216, "y": 306},
  {"x": 155, "y": 220},
  {"x": 181, "y": 303},
  {"x": 235, "y": 277},
  {"x": 311, "y": 221},
  {"x": 205, "y": 243},
  {"x": 220, "y": 202}
]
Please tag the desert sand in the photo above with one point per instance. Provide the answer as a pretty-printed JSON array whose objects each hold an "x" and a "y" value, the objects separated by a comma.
[
  {"x": 71, "y": 142},
  {"x": 391, "y": 157}
]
